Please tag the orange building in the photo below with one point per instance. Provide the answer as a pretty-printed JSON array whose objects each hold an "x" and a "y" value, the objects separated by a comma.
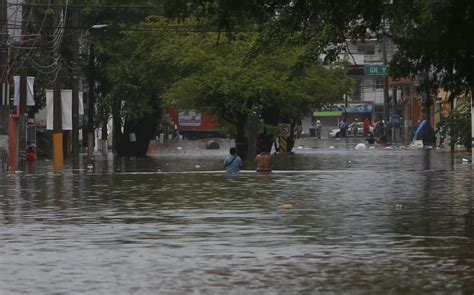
[{"x": 193, "y": 124}]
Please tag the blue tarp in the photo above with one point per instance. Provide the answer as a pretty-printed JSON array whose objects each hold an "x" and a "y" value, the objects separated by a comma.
[{"x": 419, "y": 130}]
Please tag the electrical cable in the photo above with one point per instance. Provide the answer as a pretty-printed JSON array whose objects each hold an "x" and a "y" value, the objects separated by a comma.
[
  {"x": 121, "y": 6},
  {"x": 56, "y": 43}
]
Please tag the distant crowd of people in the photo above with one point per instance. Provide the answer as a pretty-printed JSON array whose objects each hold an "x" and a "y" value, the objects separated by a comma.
[
  {"x": 354, "y": 127},
  {"x": 382, "y": 131}
]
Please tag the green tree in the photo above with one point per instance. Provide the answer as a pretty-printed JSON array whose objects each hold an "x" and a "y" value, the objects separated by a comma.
[
  {"x": 459, "y": 126},
  {"x": 207, "y": 73},
  {"x": 117, "y": 90},
  {"x": 434, "y": 37}
]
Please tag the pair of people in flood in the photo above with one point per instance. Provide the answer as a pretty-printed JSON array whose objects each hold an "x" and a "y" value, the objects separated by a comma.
[{"x": 233, "y": 163}]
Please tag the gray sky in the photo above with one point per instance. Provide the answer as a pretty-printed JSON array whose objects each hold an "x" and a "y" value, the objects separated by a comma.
[{"x": 14, "y": 18}]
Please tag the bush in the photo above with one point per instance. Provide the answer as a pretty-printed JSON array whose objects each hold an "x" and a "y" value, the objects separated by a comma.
[{"x": 459, "y": 126}]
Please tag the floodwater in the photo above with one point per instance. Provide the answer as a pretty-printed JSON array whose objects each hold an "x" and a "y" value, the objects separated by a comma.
[{"x": 361, "y": 221}]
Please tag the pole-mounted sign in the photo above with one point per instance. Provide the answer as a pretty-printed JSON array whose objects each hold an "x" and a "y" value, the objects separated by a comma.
[{"x": 375, "y": 70}]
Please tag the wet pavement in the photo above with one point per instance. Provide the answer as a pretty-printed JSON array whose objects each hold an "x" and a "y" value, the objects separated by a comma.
[{"x": 375, "y": 220}]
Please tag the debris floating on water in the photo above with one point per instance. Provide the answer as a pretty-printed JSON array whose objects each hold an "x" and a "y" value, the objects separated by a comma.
[
  {"x": 286, "y": 206},
  {"x": 399, "y": 206},
  {"x": 360, "y": 146}
]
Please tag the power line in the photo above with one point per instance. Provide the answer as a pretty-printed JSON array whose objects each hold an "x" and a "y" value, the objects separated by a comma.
[
  {"x": 177, "y": 28},
  {"x": 121, "y": 6}
]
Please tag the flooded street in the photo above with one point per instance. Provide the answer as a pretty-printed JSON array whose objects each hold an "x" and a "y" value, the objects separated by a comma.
[{"x": 372, "y": 220}]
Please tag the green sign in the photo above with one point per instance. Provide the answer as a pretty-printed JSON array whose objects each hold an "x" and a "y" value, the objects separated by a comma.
[
  {"x": 375, "y": 70},
  {"x": 327, "y": 114}
]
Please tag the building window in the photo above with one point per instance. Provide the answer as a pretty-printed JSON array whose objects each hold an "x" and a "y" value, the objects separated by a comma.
[
  {"x": 366, "y": 49},
  {"x": 379, "y": 83}
]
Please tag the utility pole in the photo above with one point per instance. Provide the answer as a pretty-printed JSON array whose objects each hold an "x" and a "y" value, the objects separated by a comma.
[
  {"x": 253, "y": 130},
  {"x": 386, "y": 106},
  {"x": 472, "y": 123},
  {"x": 22, "y": 109},
  {"x": 58, "y": 161},
  {"x": 75, "y": 87},
  {"x": 22, "y": 121},
  {"x": 4, "y": 85},
  {"x": 104, "y": 142},
  {"x": 91, "y": 104},
  {"x": 396, "y": 123}
]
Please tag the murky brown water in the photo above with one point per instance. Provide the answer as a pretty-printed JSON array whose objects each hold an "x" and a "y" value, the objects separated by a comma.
[{"x": 175, "y": 224}]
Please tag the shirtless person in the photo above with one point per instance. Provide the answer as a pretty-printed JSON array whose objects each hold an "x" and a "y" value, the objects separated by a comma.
[{"x": 263, "y": 161}]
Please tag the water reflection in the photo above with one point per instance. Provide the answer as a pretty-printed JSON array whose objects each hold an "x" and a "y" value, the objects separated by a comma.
[{"x": 162, "y": 225}]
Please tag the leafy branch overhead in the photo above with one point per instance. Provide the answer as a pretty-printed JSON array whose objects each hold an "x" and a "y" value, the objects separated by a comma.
[{"x": 192, "y": 71}]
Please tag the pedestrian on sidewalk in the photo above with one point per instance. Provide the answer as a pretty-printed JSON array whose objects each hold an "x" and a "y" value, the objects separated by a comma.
[
  {"x": 343, "y": 127},
  {"x": 441, "y": 133},
  {"x": 366, "y": 126},
  {"x": 318, "y": 129}
]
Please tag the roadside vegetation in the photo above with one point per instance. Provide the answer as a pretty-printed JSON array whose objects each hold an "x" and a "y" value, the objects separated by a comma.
[{"x": 235, "y": 60}]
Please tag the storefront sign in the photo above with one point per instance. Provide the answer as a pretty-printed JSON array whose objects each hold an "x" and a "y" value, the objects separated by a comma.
[
  {"x": 189, "y": 118},
  {"x": 338, "y": 108}
]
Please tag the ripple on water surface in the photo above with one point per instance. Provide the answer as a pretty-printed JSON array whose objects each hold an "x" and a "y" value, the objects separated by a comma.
[{"x": 145, "y": 231}]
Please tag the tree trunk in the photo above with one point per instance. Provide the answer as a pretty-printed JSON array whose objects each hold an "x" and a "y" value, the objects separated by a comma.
[
  {"x": 472, "y": 123},
  {"x": 271, "y": 116},
  {"x": 136, "y": 137},
  {"x": 117, "y": 127},
  {"x": 241, "y": 144},
  {"x": 291, "y": 138}
]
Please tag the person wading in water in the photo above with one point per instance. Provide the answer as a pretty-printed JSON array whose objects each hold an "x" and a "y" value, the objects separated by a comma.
[{"x": 232, "y": 162}]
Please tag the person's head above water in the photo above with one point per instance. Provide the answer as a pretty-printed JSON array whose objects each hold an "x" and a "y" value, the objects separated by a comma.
[{"x": 232, "y": 151}]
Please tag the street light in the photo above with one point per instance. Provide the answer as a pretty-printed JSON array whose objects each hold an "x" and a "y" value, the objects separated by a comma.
[
  {"x": 91, "y": 98},
  {"x": 99, "y": 26}
]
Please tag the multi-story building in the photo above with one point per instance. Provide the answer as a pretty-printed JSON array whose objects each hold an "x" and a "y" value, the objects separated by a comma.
[
  {"x": 368, "y": 67},
  {"x": 368, "y": 60}
]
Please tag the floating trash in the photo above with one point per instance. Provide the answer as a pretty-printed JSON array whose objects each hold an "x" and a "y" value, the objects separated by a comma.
[
  {"x": 197, "y": 166},
  {"x": 331, "y": 147},
  {"x": 399, "y": 206},
  {"x": 286, "y": 206},
  {"x": 360, "y": 146}
]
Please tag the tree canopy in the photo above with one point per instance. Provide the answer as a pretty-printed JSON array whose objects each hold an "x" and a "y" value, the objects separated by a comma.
[
  {"x": 197, "y": 72},
  {"x": 434, "y": 37},
  {"x": 236, "y": 58}
]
